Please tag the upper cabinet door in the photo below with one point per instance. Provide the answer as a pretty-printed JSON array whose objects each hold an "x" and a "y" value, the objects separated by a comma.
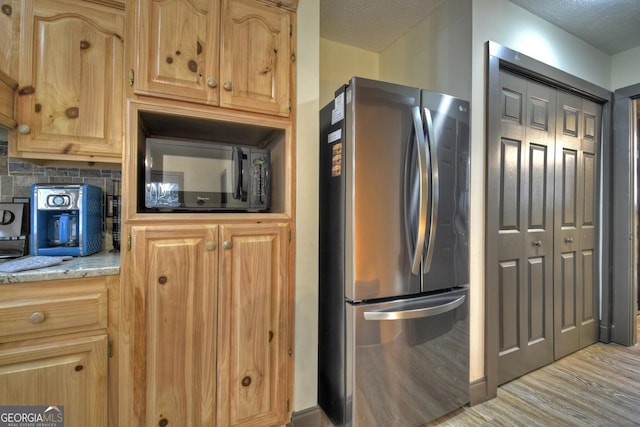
[
  {"x": 177, "y": 46},
  {"x": 255, "y": 57},
  {"x": 8, "y": 30},
  {"x": 70, "y": 93}
]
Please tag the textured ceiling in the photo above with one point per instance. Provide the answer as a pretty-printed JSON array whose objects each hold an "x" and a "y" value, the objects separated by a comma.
[{"x": 612, "y": 26}]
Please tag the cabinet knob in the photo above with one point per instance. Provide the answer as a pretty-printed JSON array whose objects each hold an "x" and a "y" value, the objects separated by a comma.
[
  {"x": 37, "y": 317},
  {"x": 569, "y": 240},
  {"x": 24, "y": 129},
  {"x": 211, "y": 82},
  {"x": 228, "y": 244},
  {"x": 227, "y": 86},
  {"x": 537, "y": 243},
  {"x": 211, "y": 246}
]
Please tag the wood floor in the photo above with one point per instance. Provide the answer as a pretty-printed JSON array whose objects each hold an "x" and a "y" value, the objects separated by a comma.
[{"x": 596, "y": 386}]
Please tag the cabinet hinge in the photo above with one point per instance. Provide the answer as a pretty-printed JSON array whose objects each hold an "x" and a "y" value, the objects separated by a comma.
[
  {"x": 129, "y": 241},
  {"x": 131, "y": 77},
  {"x": 110, "y": 349},
  {"x": 289, "y": 104},
  {"x": 288, "y": 404},
  {"x": 290, "y": 30},
  {"x": 289, "y": 234}
]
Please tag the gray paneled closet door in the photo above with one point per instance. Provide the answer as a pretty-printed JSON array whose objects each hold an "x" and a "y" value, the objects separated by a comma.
[
  {"x": 576, "y": 294},
  {"x": 547, "y": 224},
  {"x": 525, "y": 231}
]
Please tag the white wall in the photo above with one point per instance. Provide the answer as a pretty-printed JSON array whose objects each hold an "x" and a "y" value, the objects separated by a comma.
[
  {"x": 306, "y": 305},
  {"x": 625, "y": 68},
  {"x": 511, "y": 26},
  {"x": 339, "y": 62},
  {"x": 435, "y": 54}
]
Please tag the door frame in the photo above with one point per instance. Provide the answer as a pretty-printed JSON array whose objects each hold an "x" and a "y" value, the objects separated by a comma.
[
  {"x": 500, "y": 57},
  {"x": 625, "y": 215}
]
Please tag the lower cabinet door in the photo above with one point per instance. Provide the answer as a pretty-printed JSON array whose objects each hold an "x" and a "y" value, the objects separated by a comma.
[
  {"x": 212, "y": 325},
  {"x": 175, "y": 279},
  {"x": 254, "y": 357},
  {"x": 66, "y": 378}
]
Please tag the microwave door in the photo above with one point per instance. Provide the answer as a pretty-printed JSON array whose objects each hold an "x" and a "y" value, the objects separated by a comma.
[{"x": 193, "y": 176}]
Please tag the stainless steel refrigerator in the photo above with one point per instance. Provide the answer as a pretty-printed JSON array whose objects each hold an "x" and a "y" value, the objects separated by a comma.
[{"x": 394, "y": 258}]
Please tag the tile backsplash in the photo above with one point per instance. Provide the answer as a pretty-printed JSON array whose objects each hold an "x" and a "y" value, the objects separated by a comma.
[{"x": 17, "y": 176}]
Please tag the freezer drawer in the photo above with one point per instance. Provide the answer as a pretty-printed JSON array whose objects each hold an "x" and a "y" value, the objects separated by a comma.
[{"x": 407, "y": 361}]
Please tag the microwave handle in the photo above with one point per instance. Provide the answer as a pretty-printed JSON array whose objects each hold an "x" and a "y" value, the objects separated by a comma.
[{"x": 236, "y": 158}]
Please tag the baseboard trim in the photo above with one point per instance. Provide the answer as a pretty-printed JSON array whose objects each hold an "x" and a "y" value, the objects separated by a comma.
[
  {"x": 605, "y": 333},
  {"x": 478, "y": 391},
  {"x": 309, "y": 417}
]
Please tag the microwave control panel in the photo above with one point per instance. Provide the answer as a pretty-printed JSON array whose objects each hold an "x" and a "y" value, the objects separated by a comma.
[{"x": 260, "y": 180}]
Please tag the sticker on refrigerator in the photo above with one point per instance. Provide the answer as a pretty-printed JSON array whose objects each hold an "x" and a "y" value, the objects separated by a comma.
[
  {"x": 337, "y": 114},
  {"x": 334, "y": 136},
  {"x": 336, "y": 159}
]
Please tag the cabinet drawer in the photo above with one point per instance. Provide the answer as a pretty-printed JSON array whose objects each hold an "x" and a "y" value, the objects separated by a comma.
[{"x": 52, "y": 314}]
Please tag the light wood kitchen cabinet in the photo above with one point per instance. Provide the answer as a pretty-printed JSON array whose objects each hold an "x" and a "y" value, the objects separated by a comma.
[
  {"x": 177, "y": 49},
  {"x": 211, "y": 333},
  {"x": 71, "y": 90},
  {"x": 233, "y": 53},
  {"x": 7, "y": 96},
  {"x": 254, "y": 346},
  {"x": 255, "y": 57},
  {"x": 175, "y": 288},
  {"x": 54, "y": 347},
  {"x": 8, "y": 84},
  {"x": 9, "y": 30},
  {"x": 68, "y": 373}
]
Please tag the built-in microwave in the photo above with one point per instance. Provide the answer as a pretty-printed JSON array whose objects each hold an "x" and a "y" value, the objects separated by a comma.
[{"x": 194, "y": 176}]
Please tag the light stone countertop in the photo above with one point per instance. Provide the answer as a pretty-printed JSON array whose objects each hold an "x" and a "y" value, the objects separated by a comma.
[{"x": 99, "y": 264}]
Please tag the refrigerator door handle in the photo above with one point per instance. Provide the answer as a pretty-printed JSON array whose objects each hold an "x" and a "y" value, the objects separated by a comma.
[
  {"x": 435, "y": 186},
  {"x": 415, "y": 313},
  {"x": 424, "y": 191}
]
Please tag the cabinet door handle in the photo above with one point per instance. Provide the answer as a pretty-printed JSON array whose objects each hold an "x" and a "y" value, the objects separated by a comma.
[
  {"x": 37, "y": 317},
  {"x": 227, "y": 86},
  {"x": 537, "y": 243},
  {"x": 211, "y": 246},
  {"x": 228, "y": 244},
  {"x": 569, "y": 240},
  {"x": 211, "y": 82}
]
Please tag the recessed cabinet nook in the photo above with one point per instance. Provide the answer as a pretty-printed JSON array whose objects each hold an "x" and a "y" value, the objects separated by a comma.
[{"x": 198, "y": 328}]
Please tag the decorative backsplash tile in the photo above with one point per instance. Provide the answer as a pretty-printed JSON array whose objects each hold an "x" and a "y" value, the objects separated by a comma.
[{"x": 17, "y": 176}]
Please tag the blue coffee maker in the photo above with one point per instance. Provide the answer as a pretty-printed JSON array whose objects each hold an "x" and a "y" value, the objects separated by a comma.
[{"x": 66, "y": 219}]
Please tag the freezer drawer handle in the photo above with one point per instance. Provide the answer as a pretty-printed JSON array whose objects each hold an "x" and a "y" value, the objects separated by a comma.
[{"x": 415, "y": 314}]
